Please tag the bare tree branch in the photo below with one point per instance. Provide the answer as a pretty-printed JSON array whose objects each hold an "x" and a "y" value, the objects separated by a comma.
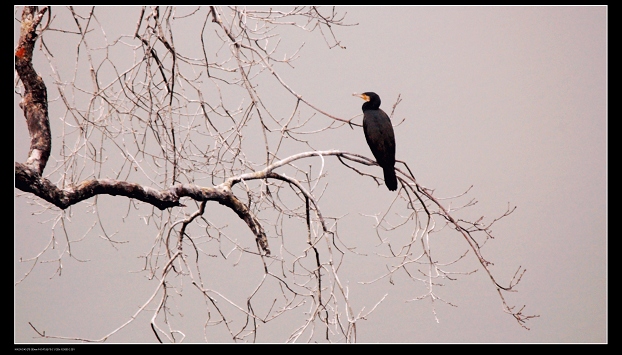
[{"x": 185, "y": 117}]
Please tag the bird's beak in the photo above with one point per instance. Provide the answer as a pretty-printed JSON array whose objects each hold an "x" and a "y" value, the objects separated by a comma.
[{"x": 362, "y": 96}]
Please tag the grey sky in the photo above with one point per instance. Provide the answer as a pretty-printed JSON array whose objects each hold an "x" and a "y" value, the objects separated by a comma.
[{"x": 511, "y": 100}]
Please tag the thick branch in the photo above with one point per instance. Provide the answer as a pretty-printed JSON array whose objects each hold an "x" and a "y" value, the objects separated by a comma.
[
  {"x": 245, "y": 214},
  {"x": 28, "y": 180},
  {"x": 34, "y": 103}
]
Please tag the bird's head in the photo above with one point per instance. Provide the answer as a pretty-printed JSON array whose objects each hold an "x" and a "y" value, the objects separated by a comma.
[{"x": 372, "y": 100}]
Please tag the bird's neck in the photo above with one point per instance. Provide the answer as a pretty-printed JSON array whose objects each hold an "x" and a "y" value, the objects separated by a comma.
[{"x": 369, "y": 106}]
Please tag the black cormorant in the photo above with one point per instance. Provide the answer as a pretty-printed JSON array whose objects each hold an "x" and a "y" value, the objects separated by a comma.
[{"x": 380, "y": 137}]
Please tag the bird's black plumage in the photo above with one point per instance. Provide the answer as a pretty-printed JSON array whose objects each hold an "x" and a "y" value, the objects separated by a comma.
[{"x": 380, "y": 136}]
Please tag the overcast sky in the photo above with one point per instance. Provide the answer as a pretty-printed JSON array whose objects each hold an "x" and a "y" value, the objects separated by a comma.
[{"x": 511, "y": 100}]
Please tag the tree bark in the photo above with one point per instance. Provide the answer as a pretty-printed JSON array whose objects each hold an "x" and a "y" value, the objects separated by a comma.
[{"x": 34, "y": 102}]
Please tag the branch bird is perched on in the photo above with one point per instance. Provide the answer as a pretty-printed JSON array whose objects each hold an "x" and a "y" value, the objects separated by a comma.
[{"x": 379, "y": 135}]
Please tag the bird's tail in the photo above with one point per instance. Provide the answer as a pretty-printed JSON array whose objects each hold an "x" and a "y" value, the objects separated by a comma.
[{"x": 389, "y": 178}]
